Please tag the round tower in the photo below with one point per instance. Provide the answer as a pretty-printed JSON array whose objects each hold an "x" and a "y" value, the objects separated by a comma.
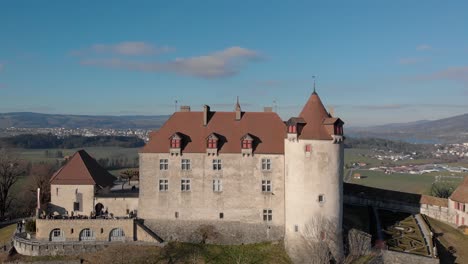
[{"x": 313, "y": 182}]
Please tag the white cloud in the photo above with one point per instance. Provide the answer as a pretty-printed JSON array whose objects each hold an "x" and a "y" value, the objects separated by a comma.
[
  {"x": 128, "y": 48},
  {"x": 423, "y": 47},
  {"x": 227, "y": 62}
]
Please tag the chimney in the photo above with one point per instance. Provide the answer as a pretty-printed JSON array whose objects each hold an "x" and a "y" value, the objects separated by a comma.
[
  {"x": 267, "y": 109},
  {"x": 238, "y": 110},
  {"x": 206, "y": 114},
  {"x": 332, "y": 111},
  {"x": 185, "y": 108}
]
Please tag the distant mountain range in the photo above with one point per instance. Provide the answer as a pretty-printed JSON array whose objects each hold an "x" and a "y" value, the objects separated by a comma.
[
  {"x": 38, "y": 120},
  {"x": 448, "y": 130}
]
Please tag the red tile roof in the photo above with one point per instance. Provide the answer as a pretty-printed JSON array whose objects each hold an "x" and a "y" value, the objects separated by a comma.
[
  {"x": 461, "y": 193},
  {"x": 82, "y": 169},
  {"x": 316, "y": 116},
  {"x": 267, "y": 129}
]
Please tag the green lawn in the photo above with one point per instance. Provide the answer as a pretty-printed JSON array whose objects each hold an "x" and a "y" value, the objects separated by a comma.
[
  {"x": 397, "y": 181},
  {"x": 6, "y": 233}
]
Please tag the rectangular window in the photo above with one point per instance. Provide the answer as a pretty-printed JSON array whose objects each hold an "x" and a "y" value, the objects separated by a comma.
[
  {"x": 308, "y": 148},
  {"x": 163, "y": 164},
  {"x": 221, "y": 215},
  {"x": 175, "y": 143},
  {"x": 266, "y": 186},
  {"x": 163, "y": 185},
  {"x": 212, "y": 143},
  {"x": 217, "y": 185},
  {"x": 266, "y": 164},
  {"x": 217, "y": 164},
  {"x": 321, "y": 198},
  {"x": 185, "y": 164},
  {"x": 185, "y": 185},
  {"x": 76, "y": 206},
  {"x": 56, "y": 191},
  {"x": 267, "y": 215}
]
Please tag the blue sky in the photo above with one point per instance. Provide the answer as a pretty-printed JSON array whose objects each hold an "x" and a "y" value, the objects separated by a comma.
[{"x": 376, "y": 61}]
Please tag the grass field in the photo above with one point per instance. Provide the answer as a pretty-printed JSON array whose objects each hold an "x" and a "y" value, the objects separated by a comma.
[
  {"x": 38, "y": 155},
  {"x": 397, "y": 181},
  {"x": 6, "y": 233},
  {"x": 180, "y": 253}
]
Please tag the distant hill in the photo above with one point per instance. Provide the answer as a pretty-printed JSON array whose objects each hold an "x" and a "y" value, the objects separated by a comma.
[
  {"x": 38, "y": 120},
  {"x": 448, "y": 130}
]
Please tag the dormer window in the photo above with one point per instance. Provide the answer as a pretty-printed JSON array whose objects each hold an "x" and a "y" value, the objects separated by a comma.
[
  {"x": 212, "y": 144},
  {"x": 292, "y": 129},
  {"x": 175, "y": 141},
  {"x": 338, "y": 130},
  {"x": 246, "y": 144},
  {"x": 175, "y": 144}
]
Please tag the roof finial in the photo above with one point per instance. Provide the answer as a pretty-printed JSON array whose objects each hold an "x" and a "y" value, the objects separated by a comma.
[
  {"x": 313, "y": 77},
  {"x": 237, "y": 104}
]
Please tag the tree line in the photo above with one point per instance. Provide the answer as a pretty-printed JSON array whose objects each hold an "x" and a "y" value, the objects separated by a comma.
[{"x": 45, "y": 141}]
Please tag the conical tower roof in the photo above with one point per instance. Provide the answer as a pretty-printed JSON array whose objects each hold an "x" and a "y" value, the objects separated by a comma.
[{"x": 314, "y": 113}]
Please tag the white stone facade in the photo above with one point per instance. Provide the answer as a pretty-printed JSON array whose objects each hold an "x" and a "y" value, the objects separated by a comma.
[
  {"x": 313, "y": 188},
  {"x": 63, "y": 198}
]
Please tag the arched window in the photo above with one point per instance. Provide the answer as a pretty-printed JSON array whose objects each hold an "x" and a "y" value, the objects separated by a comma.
[
  {"x": 87, "y": 235},
  {"x": 292, "y": 129},
  {"x": 117, "y": 234},
  {"x": 56, "y": 235}
]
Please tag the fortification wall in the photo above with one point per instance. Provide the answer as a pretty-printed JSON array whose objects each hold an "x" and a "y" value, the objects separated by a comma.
[
  {"x": 71, "y": 228},
  {"x": 225, "y": 232}
]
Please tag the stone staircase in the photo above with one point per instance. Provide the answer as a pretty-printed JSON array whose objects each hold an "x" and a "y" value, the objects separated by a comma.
[{"x": 145, "y": 234}]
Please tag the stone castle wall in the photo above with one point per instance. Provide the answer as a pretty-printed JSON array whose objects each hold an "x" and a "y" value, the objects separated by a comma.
[
  {"x": 237, "y": 210},
  {"x": 225, "y": 232},
  {"x": 118, "y": 206}
]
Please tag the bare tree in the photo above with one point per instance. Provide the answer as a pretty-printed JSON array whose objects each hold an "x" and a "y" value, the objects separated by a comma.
[
  {"x": 11, "y": 168},
  {"x": 39, "y": 177},
  {"x": 128, "y": 175},
  {"x": 359, "y": 244},
  {"x": 322, "y": 241}
]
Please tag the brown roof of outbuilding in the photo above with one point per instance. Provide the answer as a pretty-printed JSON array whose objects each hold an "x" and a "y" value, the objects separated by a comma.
[
  {"x": 431, "y": 200},
  {"x": 267, "y": 129},
  {"x": 82, "y": 169},
  {"x": 461, "y": 193},
  {"x": 314, "y": 114}
]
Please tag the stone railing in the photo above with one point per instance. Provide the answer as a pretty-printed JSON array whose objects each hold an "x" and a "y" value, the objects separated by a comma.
[{"x": 30, "y": 247}]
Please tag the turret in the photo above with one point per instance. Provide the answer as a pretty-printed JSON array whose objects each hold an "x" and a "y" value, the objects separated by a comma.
[{"x": 313, "y": 180}]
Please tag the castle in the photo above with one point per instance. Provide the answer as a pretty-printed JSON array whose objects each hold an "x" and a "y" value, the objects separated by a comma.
[{"x": 247, "y": 176}]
